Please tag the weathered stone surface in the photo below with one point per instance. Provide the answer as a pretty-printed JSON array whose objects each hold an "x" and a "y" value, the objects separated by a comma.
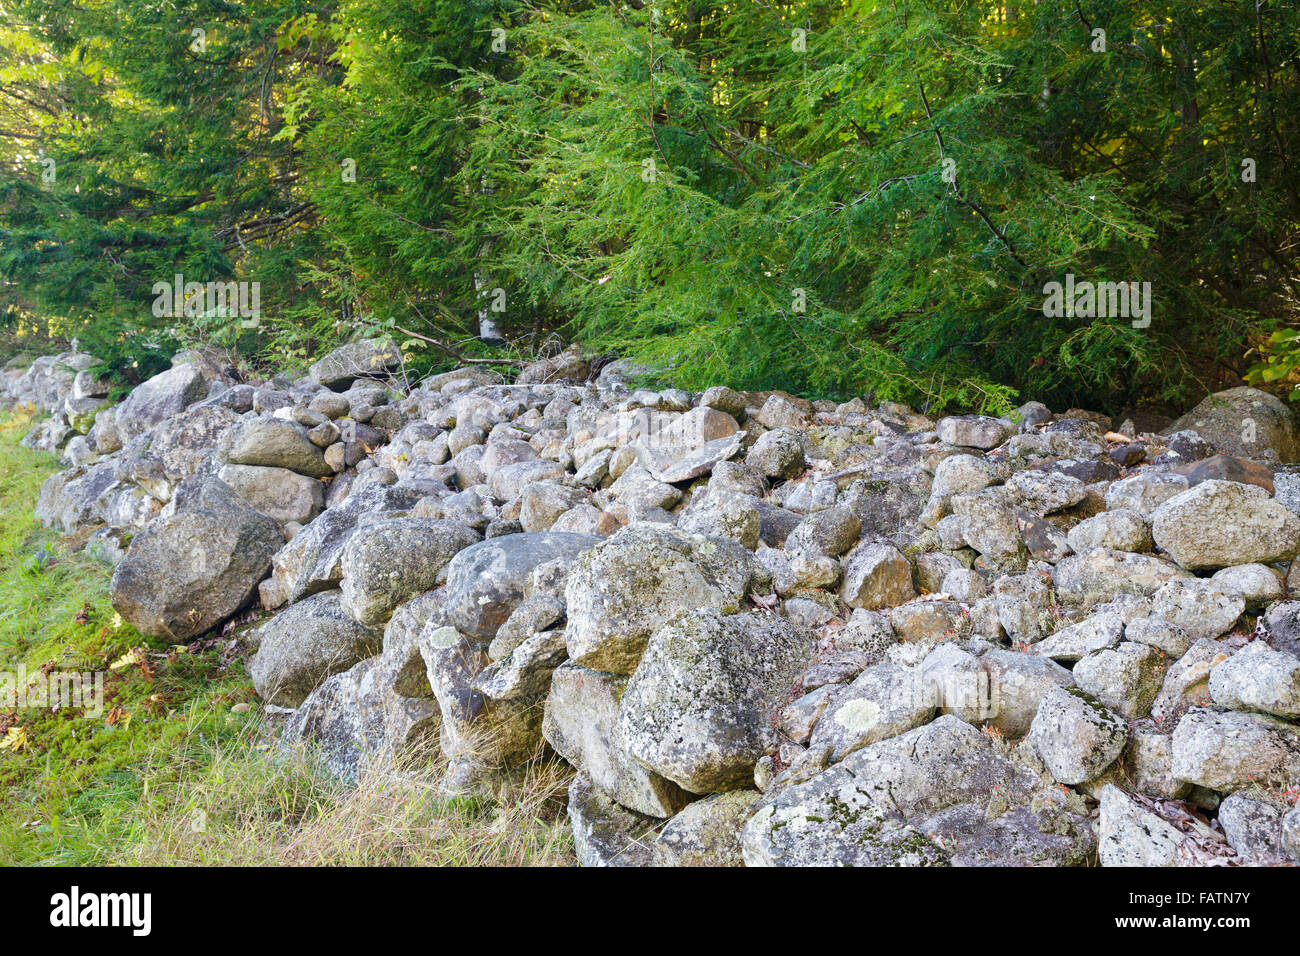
[
  {"x": 604, "y": 833},
  {"x": 485, "y": 582},
  {"x": 1148, "y": 763},
  {"x": 1118, "y": 530},
  {"x": 1199, "y": 607},
  {"x": 883, "y": 701},
  {"x": 876, "y": 576},
  {"x": 1144, "y": 492},
  {"x": 1253, "y": 827},
  {"x": 357, "y": 720},
  {"x": 973, "y": 431},
  {"x": 829, "y": 532},
  {"x": 306, "y": 643},
  {"x": 629, "y": 585},
  {"x": 582, "y": 724},
  {"x": 1222, "y": 523},
  {"x": 681, "y": 461},
  {"x": 1077, "y": 737},
  {"x": 1227, "y": 751},
  {"x": 159, "y": 398},
  {"x": 312, "y": 561},
  {"x": 362, "y": 359},
  {"x": 699, "y": 709},
  {"x": 1283, "y": 623},
  {"x": 1102, "y": 574},
  {"x": 1017, "y": 685},
  {"x": 1258, "y": 678},
  {"x": 1073, "y": 643},
  {"x": 189, "y": 572},
  {"x": 1258, "y": 584},
  {"x": 388, "y": 562},
  {"x": 1024, "y": 605},
  {"x": 731, "y": 517},
  {"x": 273, "y": 442},
  {"x": 481, "y": 738},
  {"x": 855, "y": 813},
  {"x": 706, "y": 833},
  {"x": 276, "y": 492},
  {"x": 1131, "y": 835},
  {"x": 1044, "y": 492},
  {"x": 1230, "y": 417},
  {"x": 776, "y": 454},
  {"x": 1125, "y": 678}
]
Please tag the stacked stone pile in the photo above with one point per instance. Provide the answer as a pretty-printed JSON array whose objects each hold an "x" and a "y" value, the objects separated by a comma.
[{"x": 762, "y": 630}]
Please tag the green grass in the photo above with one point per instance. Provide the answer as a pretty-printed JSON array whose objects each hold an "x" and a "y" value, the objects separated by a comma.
[{"x": 174, "y": 770}]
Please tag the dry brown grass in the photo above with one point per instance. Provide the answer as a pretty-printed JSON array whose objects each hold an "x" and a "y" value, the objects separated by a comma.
[{"x": 249, "y": 808}]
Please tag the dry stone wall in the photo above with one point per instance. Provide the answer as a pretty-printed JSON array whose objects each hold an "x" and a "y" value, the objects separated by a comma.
[{"x": 763, "y": 630}]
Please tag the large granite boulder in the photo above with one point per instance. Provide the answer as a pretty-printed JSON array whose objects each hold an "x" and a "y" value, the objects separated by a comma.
[{"x": 187, "y": 573}]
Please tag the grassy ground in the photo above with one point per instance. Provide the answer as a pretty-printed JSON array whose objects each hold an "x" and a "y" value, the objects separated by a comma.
[{"x": 174, "y": 769}]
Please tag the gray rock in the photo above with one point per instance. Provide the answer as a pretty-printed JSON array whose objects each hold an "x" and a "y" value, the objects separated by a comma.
[
  {"x": 1125, "y": 678},
  {"x": 876, "y": 576},
  {"x": 988, "y": 524},
  {"x": 1076, "y": 736},
  {"x": 732, "y": 517},
  {"x": 1073, "y": 643},
  {"x": 1131, "y": 835},
  {"x": 485, "y": 582},
  {"x": 776, "y": 454},
  {"x": 1187, "y": 682},
  {"x": 1199, "y": 607},
  {"x": 883, "y": 701},
  {"x": 1291, "y": 833},
  {"x": 1223, "y": 523},
  {"x": 682, "y": 460},
  {"x": 1258, "y": 678},
  {"x": 275, "y": 443},
  {"x": 1024, "y": 604},
  {"x": 306, "y": 643},
  {"x": 630, "y": 584},
  {"x": 1149, "y": 764},
  {"x": 706, "y": 833},
  {"x": 973, "y": 431},
  {"x": 1258, "y": 584},
  {"x": 1163, "y": 635},
  {"x": 699, "y": 709},
  {"x": 1253, "y": 827},
  {"x": 1018, "y": 683},
  {"x": 1283, "y": 623},
  {"x": 526, "y": 671},
  {"x": 1119, "y": 530},
  {"x": 357, "y": 720},
  {"x": 958, "y": 474},
  {"x": 312, "y": 561},
  {"x": 582, "y": 724},
  {"x": 604, "y": 833},
  {"x": 1103, "y": 574},
  {"x": 1044, "y": 492},
  {"x": 830, "y": 532},
  {"x": 959, "y": 683},
  {"x": 389, "y": 562},
  {"x": 855, "y": 813},
  {"x": 189, "y": 572},
  {"x": 1144, "y": 492},
  {"x": 1227, "y": 751},
  {"x": 276, "y": 492},
  {"x": 482, "y": 739},
  {"x": 362, "y": 359},
  {"x": 1230, "y": 417},
  {"x": 159, "y": 398}
]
